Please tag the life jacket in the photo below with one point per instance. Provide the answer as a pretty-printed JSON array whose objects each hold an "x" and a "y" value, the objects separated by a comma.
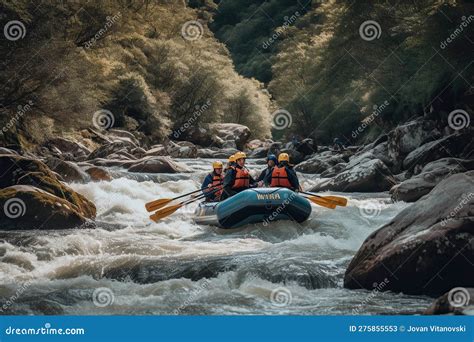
[
  {"x": 216, "y": 181},
  {"x": 242, "y": 178},
  {"x": 280, "y": 178}
]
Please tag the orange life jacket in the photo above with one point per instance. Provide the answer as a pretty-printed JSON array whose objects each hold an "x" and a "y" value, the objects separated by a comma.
[
  {"x": 217, "y": 180},
  {"x": 280, "y": 178},
  {"x": 242, "y": 178}
]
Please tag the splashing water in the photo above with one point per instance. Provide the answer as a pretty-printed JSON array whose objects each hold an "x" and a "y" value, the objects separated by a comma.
[{"x": 130, "y": 265}]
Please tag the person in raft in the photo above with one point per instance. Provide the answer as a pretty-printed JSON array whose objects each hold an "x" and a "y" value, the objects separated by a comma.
[
  {"x": 271, "y": 162},
  {"x": 230, "y": 163},
  {"x": 237, "y": 178},
  {"x": 214, "y": 181},
  {"x": 283, "y": 175}
]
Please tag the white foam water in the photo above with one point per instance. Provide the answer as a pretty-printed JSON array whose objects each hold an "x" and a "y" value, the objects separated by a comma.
[{"x": 178, "y": 267}]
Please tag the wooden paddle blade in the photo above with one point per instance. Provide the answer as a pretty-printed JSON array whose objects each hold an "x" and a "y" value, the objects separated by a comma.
[
  {"x": 337, "y": 200},
  {"x": 157, "y": 204},
  {"x": 322, "y": 202},
  {"x": 165, "y": 212}
]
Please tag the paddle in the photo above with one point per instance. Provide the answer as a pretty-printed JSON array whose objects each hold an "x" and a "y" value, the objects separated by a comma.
[
  {"x": 160, "y": 203},
  {"x": 322, "y": 202},
  {"x": 172, "y": 208},
  {"x": 337, "y": 200}
]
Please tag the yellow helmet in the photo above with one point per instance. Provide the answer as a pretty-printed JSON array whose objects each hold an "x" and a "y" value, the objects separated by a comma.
[
  {"x": 283, "y": 157},
  {"x": 231, "y": 159},
  {"x": 240, "y": 155},
  {"x": 217, "y": 165}
]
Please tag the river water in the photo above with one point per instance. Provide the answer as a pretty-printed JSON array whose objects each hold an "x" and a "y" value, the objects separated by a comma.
[{"x": 130, "y": 265}]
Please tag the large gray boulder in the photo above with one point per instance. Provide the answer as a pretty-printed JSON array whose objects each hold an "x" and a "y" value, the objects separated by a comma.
[
  {"x": 419, "y": 185},
  {"x": 158, "y": 165},
  {"x": 409, "y": 136},
  {"x": 68, "y": 171},
  {"x": 320, "y": 162},
  {"x": 368, "y": 176},
  {"x": 450, "y": 146},
  {"x": 66, "y": 149},
  {"x": 427, "y": 248},
  {"x": 231, "y": 131}
]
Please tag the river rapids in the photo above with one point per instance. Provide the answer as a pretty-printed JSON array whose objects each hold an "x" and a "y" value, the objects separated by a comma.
[{"x": 129, "y": 265}]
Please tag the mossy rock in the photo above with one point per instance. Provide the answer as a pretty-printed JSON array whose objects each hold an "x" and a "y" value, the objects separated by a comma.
[
  {"x": 27, "y": 207},
  {"x": 26, "y": 171}
]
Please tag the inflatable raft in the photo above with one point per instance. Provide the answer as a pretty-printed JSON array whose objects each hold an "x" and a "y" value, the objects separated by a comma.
[{"x": 253, "y": 206}]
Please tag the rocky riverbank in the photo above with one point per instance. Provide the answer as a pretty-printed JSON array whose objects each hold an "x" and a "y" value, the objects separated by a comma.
[{"x": 415, "y": 162}]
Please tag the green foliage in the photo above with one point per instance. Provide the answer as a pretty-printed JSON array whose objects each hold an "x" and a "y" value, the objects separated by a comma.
[
  {"x": 330, "y": 79},
  {"x": 246, "y": 27},
  {"x": 128, "y": 57}
]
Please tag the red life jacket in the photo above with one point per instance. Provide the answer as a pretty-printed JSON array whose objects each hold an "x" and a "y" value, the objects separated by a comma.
[
  {"x": 217, "y": 180},
  {"x": 242, "y": 178},
  {"x": 280, "y": 178}
]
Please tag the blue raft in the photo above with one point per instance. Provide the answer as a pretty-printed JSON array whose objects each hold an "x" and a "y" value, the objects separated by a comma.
[{"x": 253, "y": 206}]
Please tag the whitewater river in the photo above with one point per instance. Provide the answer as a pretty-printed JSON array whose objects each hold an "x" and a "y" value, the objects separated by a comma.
[{"x": 130, "y": 265}]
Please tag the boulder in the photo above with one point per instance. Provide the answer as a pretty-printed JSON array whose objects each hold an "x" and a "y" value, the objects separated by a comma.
[
  {"x": 367, "y": 176},
  {"x": 27, "y": 171},
  {"x": 216, "y": 153},
  {"x": 320, "y": 162},
  {"x": 120, "y": 135},
  {"x": 66, "y": 149},
  {"x": 458, "y": 301},
  {"x": 98, "y": 174},
  {"x": 306, "y": 147},
  {"x": 333, "y": 170},
  {"x": 257, "y": 143},
  {"x": 450, "y": 146},
  {"x": 156, "y": 150},
  {"x": 409, "y": 136},
  {"x": 158, "y": 165},
  {"x": 259, "y": 152},
  {"x": 28, "y": 207},
  {"x": 4, "y": 150},
  {"x": 427, "y": 248},
  {"x": 229, "y": 144},
  {"x": 419, "y": 185},
  {"x": 313, "y": 165},
  {"x": 231, "y": 131},
  {"x": 380, "y": 151},
  {"x": 68, "y": 171},
  {"x": 181, "y": 149},
  {"x": 112, "y": 148}
]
